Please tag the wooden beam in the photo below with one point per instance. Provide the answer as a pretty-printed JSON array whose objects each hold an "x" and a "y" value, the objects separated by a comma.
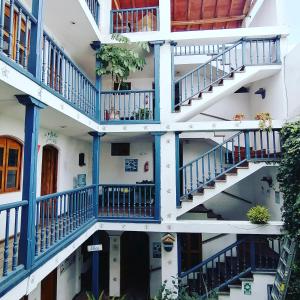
[
  {"x": 189, "y": 9},
  {"x": 229, "y": 11},
  {"x": 208, "y": 21},
  {"x": 117, "y": 4},
  {"x": 246, "y": 7}
]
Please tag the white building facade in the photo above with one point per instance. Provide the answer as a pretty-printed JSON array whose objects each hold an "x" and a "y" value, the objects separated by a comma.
[{"x": 160, "y": 173}]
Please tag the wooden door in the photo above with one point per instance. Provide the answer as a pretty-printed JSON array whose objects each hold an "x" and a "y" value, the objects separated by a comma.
[
  {"x": 49, "y": 286},
  {"x": 191, "y": 250},
  {"x": 49, "y": 170}
]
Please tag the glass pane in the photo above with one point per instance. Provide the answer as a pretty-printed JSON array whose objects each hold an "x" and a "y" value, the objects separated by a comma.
[
  {"x": 1, "y": 157},
  {"x": 11, "y": 181},
  {"x": 13, "y": 157},
  {"x": 0, "y": 180}
]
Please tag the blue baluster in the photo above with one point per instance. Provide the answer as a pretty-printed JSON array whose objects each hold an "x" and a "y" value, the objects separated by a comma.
[
  {"x": 6, "y": 244},
  {"x": 15, "y": 242},
  {"x": 37, "y": 228}
]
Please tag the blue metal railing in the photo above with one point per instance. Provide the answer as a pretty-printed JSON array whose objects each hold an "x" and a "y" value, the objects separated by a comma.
[
  {"x": 247, "y": 145},
  {"x": 134, "y": 20},
  {"x": 246, "y": 52},
  {"x": 62, "y": 75},
  {"x": 127, "y": 105},
  {"x": 231, "y": 263},
  {"x": 128, "y": 201},
  {"x": 60, "y": 214},
  {"x": 16, "y": 22},
  {"x": 94, "y": 9},
  {"x": 9, "y": 245},
  {"x": 213, "y": 49}
]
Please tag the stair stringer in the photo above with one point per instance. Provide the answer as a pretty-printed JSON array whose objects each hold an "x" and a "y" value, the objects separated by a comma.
[
  {"x": 251, "y": 74},
  {"x": 220, "y": 187},
  {"x": 258, "y": 284}
]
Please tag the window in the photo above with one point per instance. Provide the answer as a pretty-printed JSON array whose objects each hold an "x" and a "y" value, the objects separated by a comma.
[{"x": 10, "y": 165}]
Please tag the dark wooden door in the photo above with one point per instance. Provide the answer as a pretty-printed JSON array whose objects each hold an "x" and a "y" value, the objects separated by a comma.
[
  {"x": 191, "y": 250},
  {"x": 49, "y": 170},
  {"x": 49, "y": 286}
]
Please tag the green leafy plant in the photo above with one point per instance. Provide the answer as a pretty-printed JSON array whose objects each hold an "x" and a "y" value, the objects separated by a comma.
[
  {"x": 289, "y": 184},
  {"x": 121, "y": 59},
  {"x": 258, "y": 215},
  {"x": 142, "y": 114},
  {"x": 265, "y": 121}
]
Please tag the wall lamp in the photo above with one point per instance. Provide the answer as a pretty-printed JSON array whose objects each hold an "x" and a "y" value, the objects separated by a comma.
[
  {"x": 168, "y": 242},
  {"x": 262, "y": 92}
]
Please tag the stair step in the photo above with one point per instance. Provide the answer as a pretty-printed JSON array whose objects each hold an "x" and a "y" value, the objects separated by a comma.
[
  {"x": 235, "y": 286},
  {"x": 246, "y": 279}
]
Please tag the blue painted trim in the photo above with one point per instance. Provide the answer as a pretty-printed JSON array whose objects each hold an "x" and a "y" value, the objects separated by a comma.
[
  {"x": 177, "y": 159},
  {"x": 129, "y": 220},
  {"x": 27, "y": 237},
  {"x": 173, "y": 45},
  {"x": 95, "y": 267},
  {"x": 120, "y": 122},
  {"x": 36, "y": 39}
]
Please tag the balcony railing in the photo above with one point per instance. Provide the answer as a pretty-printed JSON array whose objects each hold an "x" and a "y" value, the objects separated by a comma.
[
  {"x": 127, "y": 105},
  {"x": 134, "y": 20},
  {"x": 127, "y": 201},
  {"x": 9, "y": 245},
  {"x": 59, "y": 72},
  {"x": 58, "y": 215},
  {"x": 62, "y": 75},
  {"x": 94, "y": 9}
]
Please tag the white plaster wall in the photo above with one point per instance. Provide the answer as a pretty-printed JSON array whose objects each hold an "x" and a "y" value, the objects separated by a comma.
[
  {"x": 112, "y": 168},
  {"x": 36, "y": 293},
  {"x": 68, "y": 168}
]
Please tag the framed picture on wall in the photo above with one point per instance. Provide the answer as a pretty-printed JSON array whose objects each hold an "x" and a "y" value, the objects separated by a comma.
[{"x": 131, "y": 165}]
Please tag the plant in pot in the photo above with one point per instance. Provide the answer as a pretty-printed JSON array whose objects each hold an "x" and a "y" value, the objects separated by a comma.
[
  {"x": 239, "y": 117},
  {"x": 121, "y": 59},
  {"x": 265, "y": 121},
  {"x": 142, "y": 114},
  {"x": 259, "y": 215}
]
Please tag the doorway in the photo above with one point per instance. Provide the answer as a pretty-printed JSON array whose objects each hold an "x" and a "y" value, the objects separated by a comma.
[
  {"x": 49, "y": 286},
  {"x": 49, "y": 170},
  {"x": 135, "y": 265}
]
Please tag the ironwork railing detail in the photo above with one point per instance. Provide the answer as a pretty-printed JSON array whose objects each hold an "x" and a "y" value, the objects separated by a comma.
[
  {"x": 127, "y": 201},
  {"x": 94, "y": 9},
  {"x": 9, "y": 247},
  {"x": 134, "y": 20},
  {"x": 246, "y": 52},
  {"x": 244, "y": 146},
  {"x": 231, "y": 263},
  {"x": 128, "y": 105},
  {"x": 60, "y": 214}
]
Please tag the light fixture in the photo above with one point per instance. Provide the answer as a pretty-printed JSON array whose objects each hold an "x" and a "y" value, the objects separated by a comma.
[
  {"x": 168, "y": 242},
  {"x": 268, "y": 180},
  {"x": 262, "y": 92}
]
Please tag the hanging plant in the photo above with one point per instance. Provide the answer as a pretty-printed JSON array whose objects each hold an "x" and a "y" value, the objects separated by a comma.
[
  {"x": 259, "y": 215},
  {"x": 239, "y": 117},
  {"x": 265, "y": 121},
  {"x": 121, "y": 59}
]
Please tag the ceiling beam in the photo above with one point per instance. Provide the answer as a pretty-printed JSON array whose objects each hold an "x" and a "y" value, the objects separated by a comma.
[
  {"x": 208, "y": 21},
  {"x": 117, "y": 4},
  {"x": 246, "y": 7},
  {"x": 133, "y": 4},
  {"x": 189, "y": 9},
  {"x": 229, "y": 11}
]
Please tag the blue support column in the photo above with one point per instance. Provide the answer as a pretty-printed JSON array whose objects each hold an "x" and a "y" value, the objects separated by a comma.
[
  {"x": 157, "y": 173},
  {"x": 156, "y": 45},
  {"x": 32, "y": 120},
  {"x": 177, "y": 157},
  {"x": 247, "y": 145},
  {"x": 96, "y": 169},
  {"x": 36, "y": 39},
  {"x": 96, "y": 45}
]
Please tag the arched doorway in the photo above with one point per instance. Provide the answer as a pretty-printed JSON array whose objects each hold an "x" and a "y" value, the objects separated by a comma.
[
  {"x": 135, "y": 265},
  {"x": 49, "y": 170}
]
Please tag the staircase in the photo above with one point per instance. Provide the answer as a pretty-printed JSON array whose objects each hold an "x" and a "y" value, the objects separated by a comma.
[
  {"x": 231, "y": 266},
  {"x": 225, "y": 165},
  {"x": 245, "y": 61}
]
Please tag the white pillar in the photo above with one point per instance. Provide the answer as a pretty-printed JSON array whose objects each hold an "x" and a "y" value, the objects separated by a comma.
[
  {"x": 165, "y": 82},
  {"x": 105, "y": 8},
  {"x": 168, "y": 177},
  {"x": 165, "y": 16},
  {"x": 115, "y": 265},
  {"x": 169, "y": 266}
]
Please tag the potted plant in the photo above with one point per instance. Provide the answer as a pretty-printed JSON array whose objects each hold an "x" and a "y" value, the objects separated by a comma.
[
  {"x": 259, "y": 215},
  {"x": 265, "y": 120},
  {"x": 142, "y": 114},
  {"x": 239, "y": 117}
]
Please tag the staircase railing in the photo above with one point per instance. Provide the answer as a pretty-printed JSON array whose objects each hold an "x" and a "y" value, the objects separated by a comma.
[
  {"x": 231, "y": 263},
  {"x": 245, "y": 52},
  {"x": 246, "y": 145}
]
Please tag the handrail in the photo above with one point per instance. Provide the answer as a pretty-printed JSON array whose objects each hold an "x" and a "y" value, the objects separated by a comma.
[
  {"x": 127, "y": 185},
  {"x": 26, "y": 11},
  {"x": 126, "y": 91},
  {"x": 13, "y": 205},
  {"x": 203, "y": 263},
  {"x": 134, "y": 9}
]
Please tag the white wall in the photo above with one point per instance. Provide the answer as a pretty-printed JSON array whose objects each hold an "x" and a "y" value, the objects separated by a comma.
[
  {"x": 112, "y": 168},
  {"x": 36, "y": 293},
  {"x": 68, "y": 168}
]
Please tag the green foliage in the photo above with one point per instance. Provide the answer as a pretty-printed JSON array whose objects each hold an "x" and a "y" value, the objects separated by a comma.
[
  {"x": 121, "y": 59},
  {"x": 265, "y": 121},
  {"x": 102, "y": 297},
  {"x": 258, "y": 215},
  {"x": 289, "y": 184},
  {"x": 142, "y": 114}
]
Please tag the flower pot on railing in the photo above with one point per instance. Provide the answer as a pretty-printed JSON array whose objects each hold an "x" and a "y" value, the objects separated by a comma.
[
  {"x": 265, "y": 121},
  {"x": 239, "y": 117}
]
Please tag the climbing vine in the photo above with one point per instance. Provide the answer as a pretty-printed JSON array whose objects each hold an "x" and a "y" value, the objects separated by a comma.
[{"x": 289, "y": 183}]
